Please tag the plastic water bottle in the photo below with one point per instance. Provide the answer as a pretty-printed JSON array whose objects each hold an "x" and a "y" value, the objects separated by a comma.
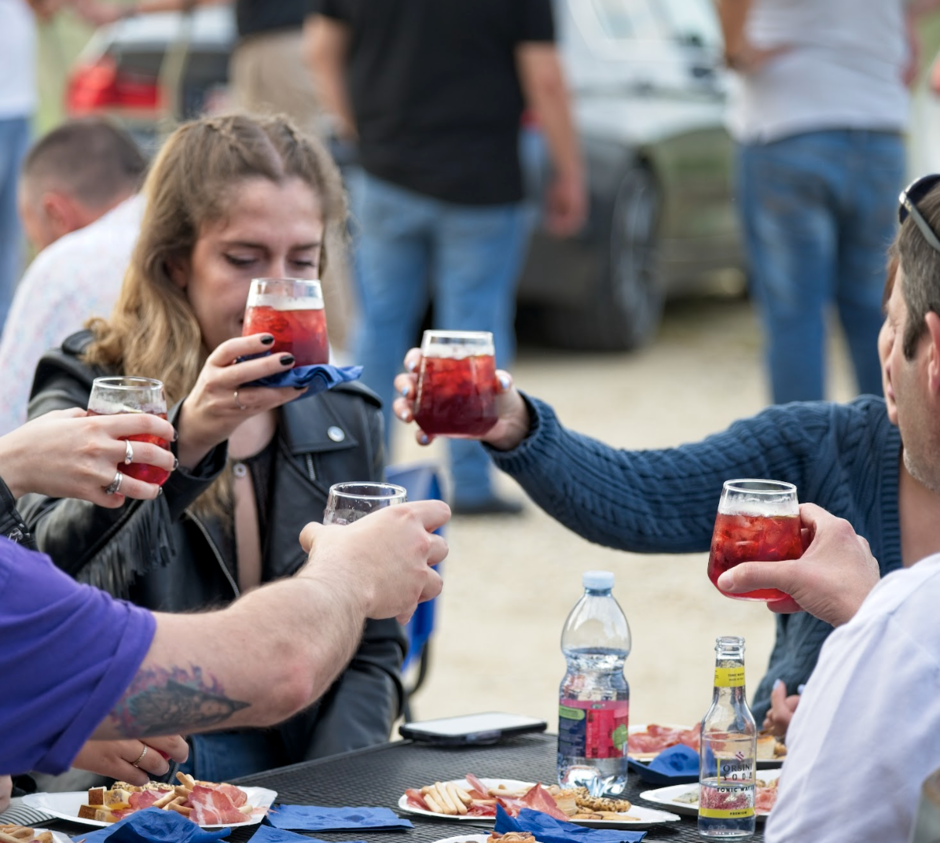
[
  {"x": 594, "y": 698},
  {"x": 728, "y": 752}
]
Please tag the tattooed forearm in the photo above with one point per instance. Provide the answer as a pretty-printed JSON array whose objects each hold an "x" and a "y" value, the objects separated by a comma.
[{"x": 160, "y": 702}]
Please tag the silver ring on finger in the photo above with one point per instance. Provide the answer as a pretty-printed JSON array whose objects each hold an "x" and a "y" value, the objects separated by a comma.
[
  {"x": 128, "y": 452},
  {"x": 140, "y": 758},
  {"x": 239, "y": 403},
  {"x": 115, "y": 485}
]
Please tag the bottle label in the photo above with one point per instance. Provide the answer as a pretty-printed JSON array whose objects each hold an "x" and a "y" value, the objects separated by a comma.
[
  {"x": 593, "y": 729},
  {"x": 729, "y": 677}
]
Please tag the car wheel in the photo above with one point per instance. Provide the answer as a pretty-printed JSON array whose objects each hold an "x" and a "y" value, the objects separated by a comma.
[{"x": 625, "y": 305}]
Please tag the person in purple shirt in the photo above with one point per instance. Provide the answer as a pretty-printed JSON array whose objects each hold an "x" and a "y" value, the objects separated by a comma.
[{"x": 85, "y": 672}]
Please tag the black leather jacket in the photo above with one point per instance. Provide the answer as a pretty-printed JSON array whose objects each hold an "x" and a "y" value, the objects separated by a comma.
[{"x": 158, "y": 554}]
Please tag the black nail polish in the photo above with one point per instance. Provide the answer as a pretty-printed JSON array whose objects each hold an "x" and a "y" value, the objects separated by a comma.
[
  {"x": 268, "y": 340},
  {"x": 287, "y": 360},
  {"x": 300, "y": 387},
  {"x": 176, "y": 434},
  {"x": 176, "y": 464}
]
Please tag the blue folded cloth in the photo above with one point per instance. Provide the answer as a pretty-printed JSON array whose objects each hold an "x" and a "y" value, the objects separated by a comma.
[
  {"x": 549, "y": 830},
  {"x": 315, "y": 818},
  {"x": 269, "y": 834},
  {"x": 676, "y": 765},
  {"x": 316, "y": 378},
  {"x": 153, "y": 826}
]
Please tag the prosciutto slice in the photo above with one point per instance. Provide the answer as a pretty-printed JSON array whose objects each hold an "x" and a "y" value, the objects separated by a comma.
[
  {"x": 143, "y": 799},
  {"x": 211, "y": 806}
]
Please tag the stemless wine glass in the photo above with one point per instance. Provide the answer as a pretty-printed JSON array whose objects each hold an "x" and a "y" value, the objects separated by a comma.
[
  {"x": 348, "y": 502},
  {"x": 291, "y": 310},
  {"x": 456, "y": 384},
  {"x": 757, "y": 521},
  {"x": 113, "y": 395}
]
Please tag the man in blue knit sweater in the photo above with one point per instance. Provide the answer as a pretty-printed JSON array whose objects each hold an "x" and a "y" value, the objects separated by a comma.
[{"x": 847, "y": 458}]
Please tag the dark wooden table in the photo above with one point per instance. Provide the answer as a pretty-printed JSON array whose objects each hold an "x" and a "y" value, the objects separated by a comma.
[{"x": 378, "y": 777}]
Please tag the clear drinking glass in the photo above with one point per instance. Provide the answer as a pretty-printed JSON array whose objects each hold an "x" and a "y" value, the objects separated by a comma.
[
  {"x": 113, "y": 395},
  {"x": 456, "y": 384},
  {"x": 291, "y": 310},
  {"x": 348, "y": 502},
  {"x": 757, "y": 521}
]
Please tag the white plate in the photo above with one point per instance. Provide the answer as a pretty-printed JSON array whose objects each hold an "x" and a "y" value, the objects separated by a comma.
[
  {"x": 667, "y": 795},
  {"x": 645, "y": 817},
  {"x": 646, "y": 757},
  {"x": 66, "y": 805}
]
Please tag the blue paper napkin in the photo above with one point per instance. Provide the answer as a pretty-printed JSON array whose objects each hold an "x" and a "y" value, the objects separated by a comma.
[
  {"x": 676, "y": 765},
  {"x": 154, "y": 826},
  {"x": 549, "y": 830},
  {"x": 315, "y": 818},
  {"x": 316, "y": 378},
  {"x": 269, "y": 834}
]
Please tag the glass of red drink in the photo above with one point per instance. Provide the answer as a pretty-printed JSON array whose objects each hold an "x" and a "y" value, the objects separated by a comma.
[
  {"x": 348, "y": 502},
  {"x": 291, "y": 310},
  {"x": 132, "y": 395},
  {"x": 456, "y": 384},
  {"x": 757, "y": 521}
]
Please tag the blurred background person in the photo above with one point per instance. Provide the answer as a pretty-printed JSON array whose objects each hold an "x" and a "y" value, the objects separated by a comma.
[
  {"x": 818, "y": 117},
  {"x": 78, "y": 199},
  {"x": 18, "y": 100},
  {"x": 433, "y": 94}
]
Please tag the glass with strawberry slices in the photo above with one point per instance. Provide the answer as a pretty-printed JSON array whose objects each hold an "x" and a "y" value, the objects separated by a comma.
[{"x": 757, "y": 521}]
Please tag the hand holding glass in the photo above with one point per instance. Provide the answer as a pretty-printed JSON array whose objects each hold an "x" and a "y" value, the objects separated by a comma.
[
  {"x": 348, "y": 502},
  {"x": 291, "y": 310},
  {"x": 456, "y": 393},
  {"x": 757, "y": 521},
  {"x": 132, "y": 395}
]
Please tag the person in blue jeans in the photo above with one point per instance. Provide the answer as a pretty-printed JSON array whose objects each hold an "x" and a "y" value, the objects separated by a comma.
[
  {"x": 438, "y": 201},
  {"x": 820, "y": 161}
]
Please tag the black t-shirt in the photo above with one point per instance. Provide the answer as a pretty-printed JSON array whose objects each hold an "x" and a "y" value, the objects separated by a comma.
[
  {"x": 435, "y": 93},
  {"x": 255, "y": 16}
]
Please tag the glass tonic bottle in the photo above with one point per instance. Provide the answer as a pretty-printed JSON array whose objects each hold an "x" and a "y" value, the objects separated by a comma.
[{"x": 728, "y": 753}]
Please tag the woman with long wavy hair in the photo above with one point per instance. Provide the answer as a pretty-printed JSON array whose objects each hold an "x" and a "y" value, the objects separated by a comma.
[{"x": 228, "y": 199}]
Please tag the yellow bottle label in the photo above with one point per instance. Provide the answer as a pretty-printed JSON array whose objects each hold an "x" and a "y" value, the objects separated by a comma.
[
  {"x": 726, "y": 814},
  {"x": 729, "y": 677}
]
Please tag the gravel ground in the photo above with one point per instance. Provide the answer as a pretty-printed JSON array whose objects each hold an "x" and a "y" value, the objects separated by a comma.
[{"x": 511, "y": 581}]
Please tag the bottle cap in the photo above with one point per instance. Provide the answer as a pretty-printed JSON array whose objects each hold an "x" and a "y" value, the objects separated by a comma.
[{"x": 598, "y": 580}]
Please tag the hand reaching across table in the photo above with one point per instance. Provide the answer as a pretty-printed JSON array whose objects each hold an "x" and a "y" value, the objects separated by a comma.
[
  {"x": 507, "y": 433},
  {"x": 68, "y": 454}
]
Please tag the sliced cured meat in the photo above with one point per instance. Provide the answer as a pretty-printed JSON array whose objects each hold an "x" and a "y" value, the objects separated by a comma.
[
  {"x": 143, "y": 799},
  {"x": 416, "y": 800},
  {"x": 236, "y": 794},
  {"x": 213, "y": 807},
  {"x": 656, "y": 738},
  {"x": 539, "y": 799}
]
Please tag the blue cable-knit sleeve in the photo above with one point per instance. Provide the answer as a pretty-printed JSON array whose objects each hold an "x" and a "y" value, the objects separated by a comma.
[{"x": 657, "y": 501}]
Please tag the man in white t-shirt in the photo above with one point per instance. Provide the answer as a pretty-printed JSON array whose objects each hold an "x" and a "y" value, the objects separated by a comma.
[
  {"x": 866, "y": 732},
  {"x": 818, "y": 112},
  {"x": 78, "y": 198}
]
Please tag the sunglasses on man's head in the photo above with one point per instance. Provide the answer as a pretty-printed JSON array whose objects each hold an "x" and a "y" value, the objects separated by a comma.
[{"x": 910, "y": 196}]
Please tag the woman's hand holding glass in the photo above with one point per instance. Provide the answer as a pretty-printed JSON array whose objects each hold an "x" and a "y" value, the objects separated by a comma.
[
  {"x": 220, "y": 401},
  {"x": 512, "y": 424},
  {"x": 68, "y": 454}
]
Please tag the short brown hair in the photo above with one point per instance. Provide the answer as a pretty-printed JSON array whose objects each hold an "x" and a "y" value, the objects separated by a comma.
[
  {"x": 920, "y": 263},
  {"x": 91, "y": 159}
]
